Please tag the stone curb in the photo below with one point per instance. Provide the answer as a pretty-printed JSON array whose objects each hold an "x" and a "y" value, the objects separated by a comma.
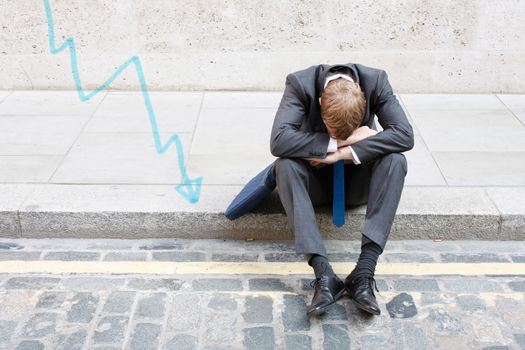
[{"x": 156, "y": 211}]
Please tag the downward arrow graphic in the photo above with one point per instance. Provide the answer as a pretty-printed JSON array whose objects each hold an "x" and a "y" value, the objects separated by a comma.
[{"x": 190, "y": 188}]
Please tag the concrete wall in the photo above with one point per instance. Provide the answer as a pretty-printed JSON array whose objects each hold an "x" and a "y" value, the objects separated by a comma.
[{"x": 475, "y": 46}]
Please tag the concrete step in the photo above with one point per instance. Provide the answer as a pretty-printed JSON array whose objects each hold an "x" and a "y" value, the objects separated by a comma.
[
  {"x": 157, "y": 211},
  {"x": 90, "y": 169}
]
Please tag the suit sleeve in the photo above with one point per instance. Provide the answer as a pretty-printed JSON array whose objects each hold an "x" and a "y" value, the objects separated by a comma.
[
  {"x": 397, "y": 135},
  {"x": 287, "y": 140}
]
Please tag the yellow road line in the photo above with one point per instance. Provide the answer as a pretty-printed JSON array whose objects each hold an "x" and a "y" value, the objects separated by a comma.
[{"x": 255, "y": 268}]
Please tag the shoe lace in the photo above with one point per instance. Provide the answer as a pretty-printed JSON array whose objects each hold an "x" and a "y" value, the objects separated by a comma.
[
  {"x": 371, "y": 283},
  {"x": 319, "y": 282}
]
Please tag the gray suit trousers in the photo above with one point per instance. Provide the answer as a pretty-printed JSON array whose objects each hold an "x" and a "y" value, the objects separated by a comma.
[{"x": 301, "y": 187}]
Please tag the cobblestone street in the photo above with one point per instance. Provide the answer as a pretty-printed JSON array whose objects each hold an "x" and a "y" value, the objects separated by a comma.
[{"x": 250, "y": 308}]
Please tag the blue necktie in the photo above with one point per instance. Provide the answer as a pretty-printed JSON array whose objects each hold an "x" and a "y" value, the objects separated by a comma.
[{"x": 338, "y": 214}]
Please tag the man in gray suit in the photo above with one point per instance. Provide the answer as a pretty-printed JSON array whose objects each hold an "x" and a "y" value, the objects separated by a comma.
[{"x": 326, "y": 115}]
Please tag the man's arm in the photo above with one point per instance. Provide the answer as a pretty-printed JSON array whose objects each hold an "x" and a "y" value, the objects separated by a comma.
[
  {"x": 286, "y": 139},
  {"x": 343, "y": 149},
  {"x": 397, "y": 135}
]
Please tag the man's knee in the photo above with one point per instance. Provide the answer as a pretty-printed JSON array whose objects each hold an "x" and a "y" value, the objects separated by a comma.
[
  {"x": 287, "y": 165},
  {"x": 289, "y": 168},
  {"x": 396, "y": 161},
  {"x": 398, "y": 158}
]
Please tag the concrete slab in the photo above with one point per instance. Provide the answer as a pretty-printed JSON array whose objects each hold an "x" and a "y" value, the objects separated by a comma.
[
  {"x": 451, "y": 102},
  {"x": 468, "y": 131},
  {"x": 422, "y": 168},
  {"x": 516, "y": 103},
  {"x": 13, "y": 195},
  {"x": 126, "y": 112},
  {"x": 482, "y": 168},
  {"x": 244, "y": 99},
  {"x": 242, "y": 132},
  {"x": 510, "y": 201},
  {"x": 446, "y": 201},
  {"x": 127, "y": 211},
  {"x": 4, "y": 94},
  {"x": 228, "y": 169},
  {"x": 56, "y": 103},
  {"x": 30, "y": 135},
  {"x": 22, "y": 169},
  {"x": 120, "y": 158},
  {"x": 139, "y": 211},
  {"x": 407, "y": 112},
  {"x": 11, "y": 198},
  {"x": 125, "y": 198},
  {"x": 446, "y": 213}
]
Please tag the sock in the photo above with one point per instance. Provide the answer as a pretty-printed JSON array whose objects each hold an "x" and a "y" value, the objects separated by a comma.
[
  {"x": 366, "y": 265},
  {"x": 321, "y": 265}
]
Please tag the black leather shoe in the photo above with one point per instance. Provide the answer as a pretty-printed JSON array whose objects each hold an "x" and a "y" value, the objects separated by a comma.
[
  {"x": 327, "y": 291},
  {"x": 361, "y": 291}
]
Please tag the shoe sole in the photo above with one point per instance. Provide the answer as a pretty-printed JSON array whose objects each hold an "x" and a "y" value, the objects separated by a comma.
[{"x": 322, "y": 310}]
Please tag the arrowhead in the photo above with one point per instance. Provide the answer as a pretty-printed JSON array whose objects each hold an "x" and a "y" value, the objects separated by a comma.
[{"x": 191, "y": 189}]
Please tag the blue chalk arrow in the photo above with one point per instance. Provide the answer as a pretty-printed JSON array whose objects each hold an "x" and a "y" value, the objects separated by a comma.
[{"x": 190, "y": 188}]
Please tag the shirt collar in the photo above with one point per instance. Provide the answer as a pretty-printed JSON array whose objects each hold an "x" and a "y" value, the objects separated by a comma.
[
  {"x": 324, "y": 70},
  {"x": 336, "y": 76}
]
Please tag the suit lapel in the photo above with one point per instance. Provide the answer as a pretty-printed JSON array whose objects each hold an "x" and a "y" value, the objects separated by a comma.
[{"x": 321, "y": 72}]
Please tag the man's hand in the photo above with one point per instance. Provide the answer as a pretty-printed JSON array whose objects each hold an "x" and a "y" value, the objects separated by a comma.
[
  {"x": 341, "y": 154},
  {"x": 357, "y": 135}
]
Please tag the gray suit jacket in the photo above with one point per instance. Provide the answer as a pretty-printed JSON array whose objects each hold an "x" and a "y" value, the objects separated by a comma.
[{"x": 298, "y": 130}]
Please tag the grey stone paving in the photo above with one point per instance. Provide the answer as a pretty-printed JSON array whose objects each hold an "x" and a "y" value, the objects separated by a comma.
[{"x": 203, "y": 311}]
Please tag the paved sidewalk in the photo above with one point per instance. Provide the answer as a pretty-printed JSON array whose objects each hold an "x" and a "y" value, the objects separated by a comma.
[
  {"x": 90, "y": 169},
  {"x": 255, "y": 309}
]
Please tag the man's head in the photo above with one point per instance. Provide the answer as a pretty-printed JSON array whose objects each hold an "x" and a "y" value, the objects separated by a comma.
[{"x": 342, "y": 107}]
